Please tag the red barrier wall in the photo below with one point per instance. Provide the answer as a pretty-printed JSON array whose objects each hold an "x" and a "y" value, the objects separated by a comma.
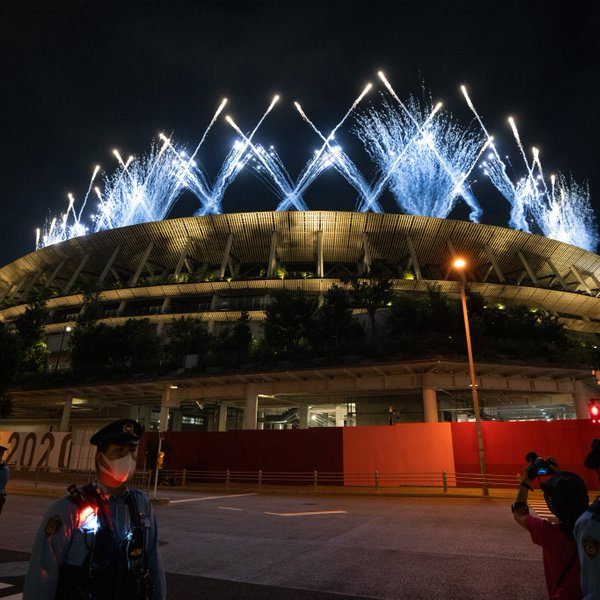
[
  {"x": 404, "y": 448},
  {"x": 506, "y": 444},
  {"x": 270, "y": 450}
]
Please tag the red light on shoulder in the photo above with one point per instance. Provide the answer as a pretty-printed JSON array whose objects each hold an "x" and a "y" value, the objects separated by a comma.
[
  {"x": 85, "y": 513},
  {"x": 87, "y": 520}
]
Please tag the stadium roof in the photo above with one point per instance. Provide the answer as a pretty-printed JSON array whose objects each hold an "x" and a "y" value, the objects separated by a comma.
[{"x": 504, "y": 264}]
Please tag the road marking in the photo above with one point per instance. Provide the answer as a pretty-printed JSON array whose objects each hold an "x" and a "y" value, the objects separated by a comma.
[
  {"x": 13, "y": 597},
  {"x": 541, "y": 509},
  {"x": 228, "y": 508},
  {"x": 211, "y": 498},
  {"x": 3, "y": 585},
  {"x": 306, "y": 514}
]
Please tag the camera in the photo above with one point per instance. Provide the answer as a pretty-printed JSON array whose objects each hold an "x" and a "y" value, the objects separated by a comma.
[{"x": 540, "y": 466}]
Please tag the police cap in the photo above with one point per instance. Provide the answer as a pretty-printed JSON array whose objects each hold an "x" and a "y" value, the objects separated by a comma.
[
  {"x": 592, "y": 460},
  {"x": 123, "y": 431}
]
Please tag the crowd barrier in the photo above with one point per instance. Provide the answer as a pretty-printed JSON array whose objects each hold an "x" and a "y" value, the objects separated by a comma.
[{"x": 184, "y": 478}]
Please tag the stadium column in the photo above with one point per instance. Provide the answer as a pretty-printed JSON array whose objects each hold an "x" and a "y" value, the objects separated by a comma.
[
  {"x": 177, "y": 420},
  {"x": 304, "y": 415},
  {"x": 429, "y": 398},
  {"x": 223, "y": 416},
  {"x": 66, "y": 414},
  {"x": 580, "y": 400},
  {"x": 251, "y": 411},
  {"x": 167, "y": 402}
]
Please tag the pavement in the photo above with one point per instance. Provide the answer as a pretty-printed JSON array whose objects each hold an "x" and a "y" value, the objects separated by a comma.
[{"x": 323, "y": 547}]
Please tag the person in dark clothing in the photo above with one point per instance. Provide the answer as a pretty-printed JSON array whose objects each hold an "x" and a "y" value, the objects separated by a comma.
[
  {"x": 567, "y": 498},
  {"x": 100, "y": 541},
  {"x": 4, "y": 474}
]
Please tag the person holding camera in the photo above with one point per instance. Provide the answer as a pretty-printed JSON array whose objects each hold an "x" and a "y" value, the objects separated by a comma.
[
  {"x": 587, "y": 535},
  {"x": 567, "y": 498}
]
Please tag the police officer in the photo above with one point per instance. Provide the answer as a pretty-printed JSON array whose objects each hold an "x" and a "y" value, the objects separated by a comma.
[
  {"x": 587, "y": 534},
  {"x": 100, "y": 542},
  {"x": 4, "y": 471}
]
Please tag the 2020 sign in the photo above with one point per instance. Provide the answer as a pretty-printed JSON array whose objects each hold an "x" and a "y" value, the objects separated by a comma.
[{"x": 36, "y": 449}]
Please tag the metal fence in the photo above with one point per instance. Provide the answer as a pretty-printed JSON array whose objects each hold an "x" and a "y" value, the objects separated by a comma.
[
  {"x": 49, "y": 477},
  {"x": 442, "y": 480},
  {"x": 376, "y": 479}
]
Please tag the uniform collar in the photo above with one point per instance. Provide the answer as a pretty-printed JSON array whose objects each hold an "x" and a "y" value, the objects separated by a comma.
[{"x": 105, "y": 493}]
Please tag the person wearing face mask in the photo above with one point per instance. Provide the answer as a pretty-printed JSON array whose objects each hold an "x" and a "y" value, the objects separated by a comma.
[{"x": 100, "y": 542}]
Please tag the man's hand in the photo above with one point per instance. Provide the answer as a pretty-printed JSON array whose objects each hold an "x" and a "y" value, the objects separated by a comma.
[{"x": 522, "y": 493}]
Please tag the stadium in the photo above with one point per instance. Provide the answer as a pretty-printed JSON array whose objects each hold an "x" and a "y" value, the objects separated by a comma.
[{"x": 214, "y": 267}]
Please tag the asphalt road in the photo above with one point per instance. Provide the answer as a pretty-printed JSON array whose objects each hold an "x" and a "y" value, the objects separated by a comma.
[{"x": 319, "y": 547}]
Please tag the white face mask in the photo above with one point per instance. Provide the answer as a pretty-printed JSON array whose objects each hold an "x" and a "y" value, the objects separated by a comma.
[{"x": 120, "y": 469}]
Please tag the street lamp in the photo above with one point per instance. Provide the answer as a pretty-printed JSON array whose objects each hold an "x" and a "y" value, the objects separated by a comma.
[
  {"x": 459, "y": 264},
  {"x": 66, "y": 329}
]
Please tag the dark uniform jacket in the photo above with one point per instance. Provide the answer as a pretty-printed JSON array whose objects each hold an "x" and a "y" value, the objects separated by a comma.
[{"x": 66, "y": 537}]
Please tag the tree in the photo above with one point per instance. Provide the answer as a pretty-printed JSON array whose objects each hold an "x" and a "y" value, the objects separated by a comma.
[
  {"x": 91, "y": 309},
  {"x": 334, "y": 327},
  {"x": 10, "y": 355},
  {"x": 288, "y": 325},
  {"x": 140, "y": 347},
  {"x": 188, "y": 335},
  {"x": 233, "y": 343},
  {"x": 442, "y": 314},
  {"x": 97, "y": 347},
  {"x": 30, "y": 326},
  {"x": 406, "y": 315},
  {"x": 372, "y": 291},
  {"x": 92, "y": 348}
]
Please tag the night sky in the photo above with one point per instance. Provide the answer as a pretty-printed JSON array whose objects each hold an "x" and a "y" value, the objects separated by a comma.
[{"x": 81, "y": 78}]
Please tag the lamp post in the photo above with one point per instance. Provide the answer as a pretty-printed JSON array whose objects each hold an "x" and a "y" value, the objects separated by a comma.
[
  {"x": 66, "y": 329},
  {"x": 459, "y": 264}
]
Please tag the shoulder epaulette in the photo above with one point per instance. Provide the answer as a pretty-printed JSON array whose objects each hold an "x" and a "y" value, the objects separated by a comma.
[{"x": 595, "y": 507}]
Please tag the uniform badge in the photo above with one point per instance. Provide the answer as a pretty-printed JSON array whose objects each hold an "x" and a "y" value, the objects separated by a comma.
[
  {"x": 53, "y": 525},
  {"x": 591, "y": 546},
  {"x": 128, "y": 428}
]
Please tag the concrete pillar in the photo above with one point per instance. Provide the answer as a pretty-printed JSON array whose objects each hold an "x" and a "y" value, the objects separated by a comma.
[
  {"x": 340, "y": 413},
  {"x": 429, "y": 400},
  {"x": 163, "y": 421},
  {"x": 580, "y": 400},
  {"x": 177, "y": 416},
  {"x": 261, "y": 419},
  {"x": 251, "y": 410},
  {"x": 304, "y": 412},
  {"x": 66, "y": 415},
  {"x": 223, "y": 416}
]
